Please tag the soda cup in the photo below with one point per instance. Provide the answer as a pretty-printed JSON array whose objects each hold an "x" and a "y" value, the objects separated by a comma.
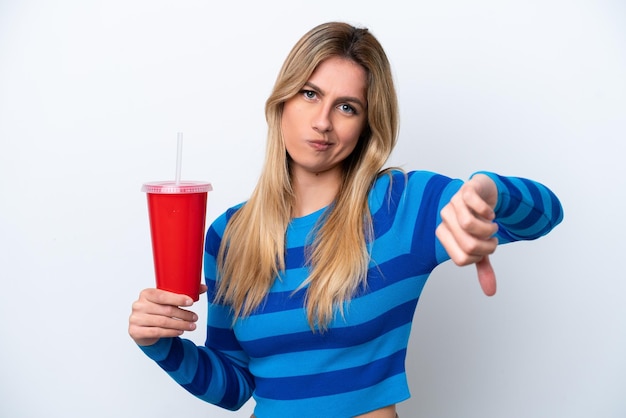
[{"x": 177, "y": 213}]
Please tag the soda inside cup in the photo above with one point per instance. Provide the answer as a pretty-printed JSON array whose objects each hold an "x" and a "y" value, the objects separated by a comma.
[{"x": 177, "y": 215}]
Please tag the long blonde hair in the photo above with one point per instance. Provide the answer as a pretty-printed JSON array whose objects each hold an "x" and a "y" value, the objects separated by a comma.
[{"x": 252, "y": 252}]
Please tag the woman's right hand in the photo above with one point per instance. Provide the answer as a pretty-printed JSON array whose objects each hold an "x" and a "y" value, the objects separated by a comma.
[{"x": 158, "y": 314}]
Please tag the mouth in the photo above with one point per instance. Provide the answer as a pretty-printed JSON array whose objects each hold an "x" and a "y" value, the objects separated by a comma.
[{"x": 319, "y": 145}]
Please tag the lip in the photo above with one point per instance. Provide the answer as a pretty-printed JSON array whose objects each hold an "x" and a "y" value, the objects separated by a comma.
[{"x": 319, "y": 145}]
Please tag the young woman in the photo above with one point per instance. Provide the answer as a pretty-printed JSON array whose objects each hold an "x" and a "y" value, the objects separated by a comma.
[{"x": 313, "y": 282}]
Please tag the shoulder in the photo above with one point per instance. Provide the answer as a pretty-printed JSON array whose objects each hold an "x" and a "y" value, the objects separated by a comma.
[
  {"x": 216, "y": 230},
  {"x": 394, "y": 183},
  {"x": 221, "y": 221},
  {"x": 396, "y": 177}
]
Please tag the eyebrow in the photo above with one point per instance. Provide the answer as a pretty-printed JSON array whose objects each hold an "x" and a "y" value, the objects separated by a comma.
[{"x": 339, "y": 99}]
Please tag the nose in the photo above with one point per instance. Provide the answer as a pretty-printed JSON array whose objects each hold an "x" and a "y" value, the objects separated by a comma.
[{"x": 322, "y": 121}]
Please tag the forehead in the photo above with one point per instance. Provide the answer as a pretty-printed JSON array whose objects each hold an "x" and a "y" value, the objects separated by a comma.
[{"x": 341, "y": 76}]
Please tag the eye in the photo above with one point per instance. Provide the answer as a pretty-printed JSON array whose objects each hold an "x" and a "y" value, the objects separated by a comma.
[
  {"x": 309, "y": 94},
  {"x": 346, "y": 108}
]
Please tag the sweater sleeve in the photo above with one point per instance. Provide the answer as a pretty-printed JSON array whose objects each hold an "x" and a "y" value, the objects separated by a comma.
[
  {"x": 526, "y": 210},
  {"x": 216, "y": 372}
]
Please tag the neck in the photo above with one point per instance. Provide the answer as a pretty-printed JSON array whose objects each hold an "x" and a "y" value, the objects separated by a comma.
[{"x": 314, "y": 191}]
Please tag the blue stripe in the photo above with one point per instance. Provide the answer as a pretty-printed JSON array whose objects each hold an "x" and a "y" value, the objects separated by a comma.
[
  {"x": 229, "y": 379},
  {"x": 273, "y": 302},
  {"x": 201, "y": 380},
  {"x": 213, "y": 239},
  {"x": 379, "y": 276},
  {"x": 527, "y": 209},
  {"x": 385, "y": 215},
  {"x": 295, "y": 258},
  {"x": 538, "y": 210},
  {"x": 514, "y": 197},
  {"x": 231, "y": 211},
  {"x": 557, "y": 212},
  {"x": 389, "y": 272},
  {"x": 223, "y": 339},
  {"x": 359, "y": 310},
  {"x": 232, "y": 394},
  {"x": 303, "y": 363},
  {"x": 212, "y": 242},
  {"x": 174, "y": 358},
  {"x": 539, "y": 199},
  {"x": 424, "y": 238},
  {"x": 502, "y": 235},
  {"x": 212, "y": 288},
  {"x": 395, "y": 270},
  {"x": 337, "y": 337},
  {"x": 330, "y": 383},
  {"x": 281, "y": 301}
]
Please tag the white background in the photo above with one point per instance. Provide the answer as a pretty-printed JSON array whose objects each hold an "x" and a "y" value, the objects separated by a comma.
[{"x": 92, "y": 94}]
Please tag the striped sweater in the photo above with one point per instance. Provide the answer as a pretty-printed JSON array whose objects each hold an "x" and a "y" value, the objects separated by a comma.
[{"x": 358, "y": 365}]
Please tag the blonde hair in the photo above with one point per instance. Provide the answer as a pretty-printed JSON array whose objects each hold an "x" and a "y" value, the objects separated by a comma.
[{"x": 252, "y": 252}]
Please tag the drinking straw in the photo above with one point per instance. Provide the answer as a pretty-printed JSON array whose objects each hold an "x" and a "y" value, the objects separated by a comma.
[{"x": 179, "y": 156}]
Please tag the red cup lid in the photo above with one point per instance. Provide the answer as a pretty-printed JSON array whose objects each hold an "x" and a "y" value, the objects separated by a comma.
[{"x": 170, "y": 187}]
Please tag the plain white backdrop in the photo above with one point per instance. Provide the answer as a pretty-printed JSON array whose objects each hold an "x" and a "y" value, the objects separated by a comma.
[{"x": 92, "y": 94}]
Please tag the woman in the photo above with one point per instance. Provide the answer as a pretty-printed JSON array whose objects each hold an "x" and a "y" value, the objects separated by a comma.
[{"x": 313, "y": 282}]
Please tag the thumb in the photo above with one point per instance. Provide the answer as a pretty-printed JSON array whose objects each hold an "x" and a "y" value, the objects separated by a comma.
[{"x": 486, "y": 276}]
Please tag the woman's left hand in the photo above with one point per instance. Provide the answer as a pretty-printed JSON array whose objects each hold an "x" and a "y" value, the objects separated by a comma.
[{"x": 467, "y": 228}]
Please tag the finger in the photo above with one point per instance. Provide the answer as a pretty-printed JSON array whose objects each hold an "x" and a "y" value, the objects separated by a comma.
[
  {"x": 147, "y": 329},
  {"x": 486, "y": 188},
  {"x": 461, "y": 218},
  {"x": 163, "y": 322},
  {"x": 145, "y": 307},
  {"x": 475, "y": 203},
  {"x": 458, "y": 255},
  {"x": 486, "y": 276},
  {"x": 156, "y": 314},
  {"x": 163, "y": 297},
  {"x": 149, "y": 335},
  {"x": 468, "y": 243}
]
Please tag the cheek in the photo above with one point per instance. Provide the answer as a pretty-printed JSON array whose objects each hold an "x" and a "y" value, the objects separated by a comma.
[
  {"x": 353, "y": 136},
  {"x": 353, "y": 143},
  {"x": 288, "y": 121}
]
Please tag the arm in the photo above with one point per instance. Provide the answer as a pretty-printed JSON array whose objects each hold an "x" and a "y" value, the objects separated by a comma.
[
  {"x": 216, "y": 372},
  {"x": 213, "y": 375},
  {"x": 491, "y": 209}
]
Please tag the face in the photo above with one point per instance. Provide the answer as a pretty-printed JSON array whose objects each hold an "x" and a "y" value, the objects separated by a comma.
[{"x": 321, "y": 124}]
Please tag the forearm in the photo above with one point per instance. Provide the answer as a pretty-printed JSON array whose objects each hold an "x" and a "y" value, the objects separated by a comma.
[
  {"x": 207, "y": 374},
  {"x": 525, "y": 209}
]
